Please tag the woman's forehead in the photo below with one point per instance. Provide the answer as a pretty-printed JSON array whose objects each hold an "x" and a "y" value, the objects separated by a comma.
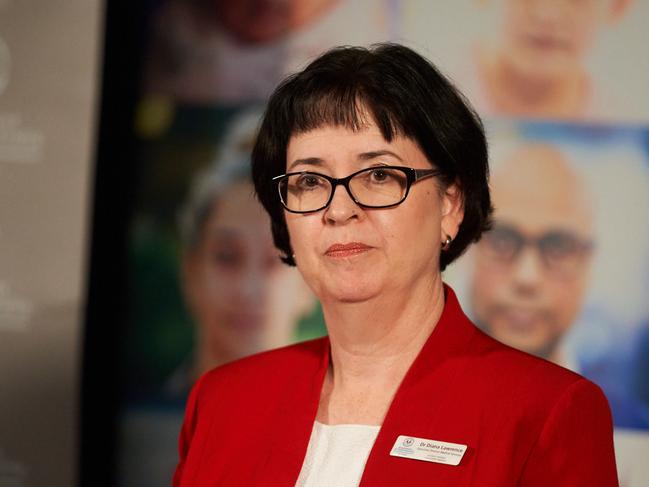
[{"x": 333, "y": 146}]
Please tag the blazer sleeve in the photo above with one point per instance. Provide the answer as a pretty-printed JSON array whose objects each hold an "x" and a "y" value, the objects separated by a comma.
[
  {"x": 575, "y": 445},
  {"x": 187, "y": 431}
]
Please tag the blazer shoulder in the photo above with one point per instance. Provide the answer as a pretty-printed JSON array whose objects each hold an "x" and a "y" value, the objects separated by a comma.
[
  {"x": 519, "y": 369},
  {"x": 268, "y": 368}
]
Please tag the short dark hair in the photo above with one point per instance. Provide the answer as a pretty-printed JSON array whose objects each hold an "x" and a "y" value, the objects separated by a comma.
[{"x": 405, "y": 95}]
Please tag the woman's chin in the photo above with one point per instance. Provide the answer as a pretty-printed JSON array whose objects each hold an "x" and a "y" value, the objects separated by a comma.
[{"x": 349, "y": 292}]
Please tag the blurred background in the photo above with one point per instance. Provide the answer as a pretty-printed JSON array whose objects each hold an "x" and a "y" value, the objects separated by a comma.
[{"x": 133, "y": 255}]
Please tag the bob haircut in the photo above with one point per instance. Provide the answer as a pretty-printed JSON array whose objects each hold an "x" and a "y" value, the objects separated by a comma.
[{"x": 405, "y": 95}]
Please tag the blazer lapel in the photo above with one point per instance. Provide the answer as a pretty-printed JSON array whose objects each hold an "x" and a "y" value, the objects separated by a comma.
[
  {"x": 414, "y": 406},
  {"x": 296, "y": 411}
]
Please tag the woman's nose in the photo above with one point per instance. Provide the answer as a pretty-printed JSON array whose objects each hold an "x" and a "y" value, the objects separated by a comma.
[{"x": 342, "y": 207}]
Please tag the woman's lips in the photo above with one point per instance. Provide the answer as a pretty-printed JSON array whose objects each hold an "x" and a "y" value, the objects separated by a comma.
[{"x": 347, "y": 249}]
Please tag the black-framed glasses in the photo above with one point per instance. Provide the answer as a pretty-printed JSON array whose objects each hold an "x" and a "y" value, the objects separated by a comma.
[
  {"x": 374, "y": 187},
  {"x": 561, "y": 252}
]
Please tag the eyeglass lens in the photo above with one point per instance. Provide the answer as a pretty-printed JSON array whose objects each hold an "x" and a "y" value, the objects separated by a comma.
[
  {"x": 559, "y": 250},
  {"x": 372, "y": 187}
]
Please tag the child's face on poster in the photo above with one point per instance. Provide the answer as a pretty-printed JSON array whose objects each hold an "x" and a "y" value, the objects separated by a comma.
[
  {"x": 234, "y": 282},
  {"x": 551, "y": 37}
]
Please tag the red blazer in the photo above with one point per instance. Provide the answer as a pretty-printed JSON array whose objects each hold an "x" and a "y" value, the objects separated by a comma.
[{"x": 526, "y": 421}]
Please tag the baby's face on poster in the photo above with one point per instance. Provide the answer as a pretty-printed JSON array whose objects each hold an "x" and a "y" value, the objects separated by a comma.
[{"x": 549, "y": 37}]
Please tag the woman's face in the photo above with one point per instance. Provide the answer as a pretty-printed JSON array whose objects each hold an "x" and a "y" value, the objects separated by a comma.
[
  {"x": 385, "y": 250},
  {"x": 243, "y": 298}
]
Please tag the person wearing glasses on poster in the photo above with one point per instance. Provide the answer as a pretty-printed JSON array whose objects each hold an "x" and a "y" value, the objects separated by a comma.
[
  {"x": 531, "y": 272},
  {"x": 373, "y": 170}
]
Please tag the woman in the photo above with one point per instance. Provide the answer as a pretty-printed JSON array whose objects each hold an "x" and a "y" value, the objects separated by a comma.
[{"x": 404, "y": 389}]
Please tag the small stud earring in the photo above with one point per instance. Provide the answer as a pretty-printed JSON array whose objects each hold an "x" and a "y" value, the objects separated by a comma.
[{"x": 447, "y": 243}]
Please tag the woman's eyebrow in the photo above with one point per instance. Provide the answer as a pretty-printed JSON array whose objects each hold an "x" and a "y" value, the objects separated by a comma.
[
  {"x": 366, "y": 156},
  {"x": 309, "y": 161}
]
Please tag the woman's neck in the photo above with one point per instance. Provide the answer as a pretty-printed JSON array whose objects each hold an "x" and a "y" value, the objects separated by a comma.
[{"x": 373, "y": 344}]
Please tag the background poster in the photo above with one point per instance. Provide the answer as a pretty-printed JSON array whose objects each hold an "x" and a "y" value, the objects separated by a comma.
[
  {"x": 48, "y": 76},
  {"x": 553, "y": 278},
  {"x": 573, "y": 137}
]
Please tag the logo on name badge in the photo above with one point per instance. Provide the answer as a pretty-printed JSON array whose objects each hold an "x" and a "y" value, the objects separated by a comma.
[{"x": 428, "y": 450}]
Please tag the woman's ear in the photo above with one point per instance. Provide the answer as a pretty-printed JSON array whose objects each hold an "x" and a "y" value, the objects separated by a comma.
[{"x": 452, "y": 211}]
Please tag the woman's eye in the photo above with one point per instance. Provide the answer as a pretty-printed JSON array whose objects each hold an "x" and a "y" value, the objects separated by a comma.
[
  {"x": 308, "y": 181},
  {"x": 379, "y": 175}
]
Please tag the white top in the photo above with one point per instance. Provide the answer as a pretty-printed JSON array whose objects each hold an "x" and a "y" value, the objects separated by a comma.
[{"x": 336, "y": 455}]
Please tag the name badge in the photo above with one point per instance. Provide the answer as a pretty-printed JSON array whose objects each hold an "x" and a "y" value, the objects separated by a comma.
[{"x": 428, "y": 450}]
